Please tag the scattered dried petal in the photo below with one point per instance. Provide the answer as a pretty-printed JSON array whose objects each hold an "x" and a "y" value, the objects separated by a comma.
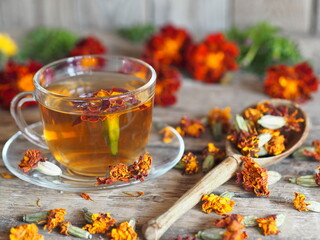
[
  {"x": 6, "y": 175},
  {"x": 86, "y": 196}
]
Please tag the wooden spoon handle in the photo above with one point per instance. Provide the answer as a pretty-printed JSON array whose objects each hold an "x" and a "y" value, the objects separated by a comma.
[{"x": 155, "y": 228}]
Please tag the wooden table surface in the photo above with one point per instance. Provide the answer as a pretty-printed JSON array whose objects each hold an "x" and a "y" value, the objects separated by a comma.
[{"x": 195, "y": 100}]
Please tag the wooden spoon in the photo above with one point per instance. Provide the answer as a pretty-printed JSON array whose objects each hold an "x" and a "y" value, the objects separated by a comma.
[{"x": 155, "y": 228}]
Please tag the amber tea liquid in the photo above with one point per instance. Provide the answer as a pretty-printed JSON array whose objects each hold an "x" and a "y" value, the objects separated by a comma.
[{"x": 84, "y": 146}]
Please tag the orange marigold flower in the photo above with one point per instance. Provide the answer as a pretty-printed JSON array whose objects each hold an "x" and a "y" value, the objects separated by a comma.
[
  {"x": 25, "y": 232},
  {"x": 191, "y": 163},
  {"x": 275, "y": 146},
  {"x": 55, "y": 217},
  {"x": 268, "y": 225},
  {"x": 252, "y": 114},
  {"x": 101, "y": 222},
  {"x": 233, "y": 224},
  {"x": 211, "y": 149},
  {"x": 266, "y": 108},
  {"x": 254, "y": 177},
  {"x": 16, "y": 78},
  {"x": 212, "y": 58},
  {"x": 220, "y": 205},
  {"x": 167, "y": 134},
  {"x": 292, "y": 122},
  {"x": 123, "y": 232},
  {"x": 191, "y": 127},
  {"x": 295, "y": 83},
  {"x": 299, "y": 202},
  {"x": 168, "y": 83},
  {"x": 167, "y": 47},
  {"x": 314, "y": 154},
  {"x": 219, "y": 121},
  {"x": 88, "y": 46},
  {"x": 140, "y": 169},
  {"x": 118, "y": 172},
  {"x": 248, "y": 145},
  {"x": 31, "y": 159}
]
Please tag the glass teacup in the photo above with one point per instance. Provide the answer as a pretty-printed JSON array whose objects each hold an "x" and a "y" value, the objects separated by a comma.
[{"x": 96, "y": 111}]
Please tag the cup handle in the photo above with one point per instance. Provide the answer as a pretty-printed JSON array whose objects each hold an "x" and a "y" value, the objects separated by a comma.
[{"x": 16, "y": 112}]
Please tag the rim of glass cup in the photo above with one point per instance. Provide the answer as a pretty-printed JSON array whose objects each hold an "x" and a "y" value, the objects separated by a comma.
[{"x": 149, "y": 83}]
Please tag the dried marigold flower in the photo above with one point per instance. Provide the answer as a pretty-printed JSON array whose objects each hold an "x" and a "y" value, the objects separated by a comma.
[
  {"x": 268, "y": 225},
  {"x": 314, "y": 154},
  {"x": 218, "y": 120},
  {"x": 31, "y": 159},
  {"x": 299, "y": 202},
  {"x": 295, "y": 83},
  {"x": 254, "y": 178},
  {"x": 210, "y": 154},
  {"x": 292, "y": 122},
  {"x": 25, "y": 232},
  {"x": 167, "y": 47},
  {"x": 100, "y": 222},
  {"x": 212, "y": 58},
  {"x": 219, "y": 204},
  {"x": 54, "y": 218},
  {"x": 123, "y": 232},
  {"x": 167, "y": 134},
  {"x": 190, "y": 127},
  {"x": 276, "y": 145},
  {"x": 191, "y": 164},
  {"x": 246, "y": 142},
  {"x": 140, "y": 169},
  {"x": 234, "y": 225}
]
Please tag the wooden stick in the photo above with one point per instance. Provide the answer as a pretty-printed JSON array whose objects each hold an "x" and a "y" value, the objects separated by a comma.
[{"x": 155, "y": 228}]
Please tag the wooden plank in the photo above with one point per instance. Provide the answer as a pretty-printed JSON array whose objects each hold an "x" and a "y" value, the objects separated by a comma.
[
  {"x": 199, "y": 17},
  {"x": 290, "y": 15}
]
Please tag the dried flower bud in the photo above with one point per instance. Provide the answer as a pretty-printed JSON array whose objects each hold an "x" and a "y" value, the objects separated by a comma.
[
  {"x": 35, "y": 217},
  {"x": 272, "y": 122},
  {"x": 211, "y": 234},
  {"x": 305, "y": 181},
  {"x": 313, "y": 206},
  {"x": 208, "y": 163},
  {"x": 299, "y": 153}
]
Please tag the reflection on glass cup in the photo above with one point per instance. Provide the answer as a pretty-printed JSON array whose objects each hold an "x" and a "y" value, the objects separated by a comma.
[{"x": 96, "y": 111}]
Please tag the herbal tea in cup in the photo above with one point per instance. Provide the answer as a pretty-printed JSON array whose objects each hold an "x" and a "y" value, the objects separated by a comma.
[{"x": 96, "y": 111}]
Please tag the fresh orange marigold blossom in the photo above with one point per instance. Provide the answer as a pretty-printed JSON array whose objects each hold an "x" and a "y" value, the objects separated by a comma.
[
  {"x": 167, "y": 46},
  {"x": 123, "y": 232},
  {"x": 299, "y": 202},
  {"x": 211, "y": 59},
  {"x": 268, "y": 225},
  {"x": 254, "y": 178},
  {"x": 16, "y": 78},
  {"x": 25, "y": 232},
  {"x": 295, "y": 83},
  {"x": 101, "y": 222},
  {"x": 220, "y": 205}
]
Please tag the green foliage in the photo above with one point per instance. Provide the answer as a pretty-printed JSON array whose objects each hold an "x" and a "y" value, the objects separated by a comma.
[
  {"x": 138, "y": 33},
  {"x": 46, "y": 45},
  {"x": 261, "y": 46}
]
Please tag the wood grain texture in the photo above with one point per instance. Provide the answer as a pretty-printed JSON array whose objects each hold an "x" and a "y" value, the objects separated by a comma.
[
  {"x": 195, "y": 100},
  {"x": 290, "y": 15}
]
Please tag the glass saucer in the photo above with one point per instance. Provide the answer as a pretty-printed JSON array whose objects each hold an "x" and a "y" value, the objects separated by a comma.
[{"x": 164, "y": 155}]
